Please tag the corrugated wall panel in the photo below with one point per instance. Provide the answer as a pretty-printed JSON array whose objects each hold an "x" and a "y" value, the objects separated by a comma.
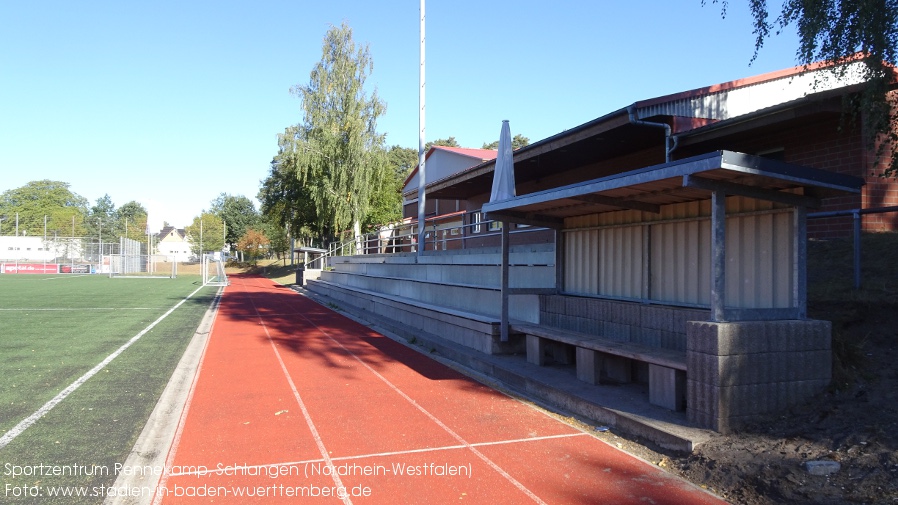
[
  {"x": 759, "y": 261},
  {"x": 605, "y": 262},
  {"x": 609, "y": 261},
  {"x": 621, "y": 262},
  {"x": 681, "y": 267}
]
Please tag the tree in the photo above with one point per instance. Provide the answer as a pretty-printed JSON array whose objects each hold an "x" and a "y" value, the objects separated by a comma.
[
  {"x": 517, "y": 142},
  {"x": 286, "y": 201},
  {"x": 132, "y": 219},
  {"x": 206, "y": 233},
  {"x": 386, "y": 196},
  {"x": 253, "y": 244},
  {"x": 403, "y": 160},
  {"x": 450, "y": 142},
  {"x": 102, "y": 217},
  {"x": 279, "y": 241},
  {"x": 840, "y": 32},
  {"x": 336, "y": 152},
  {"x": 238, "y": 213},
  {"x": 44, "y": 206}
]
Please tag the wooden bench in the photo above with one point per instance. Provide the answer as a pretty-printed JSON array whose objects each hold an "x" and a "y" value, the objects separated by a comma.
[{"x": 598, "y": 359}]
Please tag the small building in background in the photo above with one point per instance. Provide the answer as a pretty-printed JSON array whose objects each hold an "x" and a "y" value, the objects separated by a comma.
[{"x": 173, "y": 242}]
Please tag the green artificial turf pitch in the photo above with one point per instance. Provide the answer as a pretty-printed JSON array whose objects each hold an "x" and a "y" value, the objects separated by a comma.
[{"x": 54, "y": 329}]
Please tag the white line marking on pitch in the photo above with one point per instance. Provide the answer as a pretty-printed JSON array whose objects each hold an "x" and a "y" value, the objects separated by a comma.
[
  {"x": 433, "y": 418},
  {"x": 50, "y": 309},
  {"x": 26, "y": 423}
]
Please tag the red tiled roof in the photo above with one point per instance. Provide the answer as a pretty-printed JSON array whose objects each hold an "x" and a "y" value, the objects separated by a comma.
[{"x": 481, "y": 154}]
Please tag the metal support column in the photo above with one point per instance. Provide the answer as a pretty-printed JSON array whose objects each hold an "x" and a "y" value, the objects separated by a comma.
[
  {"x": 505, "y": 256},
  {"x": 857, "y": 250},
  {"x": 718, "y": 255},
  {"x": 800, "y": 261},
  {"x": 559, "y": 261}
]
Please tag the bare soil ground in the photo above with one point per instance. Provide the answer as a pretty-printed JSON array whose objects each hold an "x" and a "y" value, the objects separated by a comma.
[{"x": 854, "y": 423}]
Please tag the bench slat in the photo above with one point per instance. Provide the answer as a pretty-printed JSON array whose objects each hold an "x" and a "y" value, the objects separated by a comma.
[{"x": 665, "y": 357}]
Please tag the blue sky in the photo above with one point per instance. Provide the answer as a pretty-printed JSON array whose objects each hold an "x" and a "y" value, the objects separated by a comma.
[{"x": 171, "y": 103}]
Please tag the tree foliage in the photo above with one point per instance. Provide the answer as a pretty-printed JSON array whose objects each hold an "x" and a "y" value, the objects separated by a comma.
[
  {"x": 386, "y": 201},
  {"x": 286, "y": 200},
  {"x": 253, "y": 244},
  {"x": 102, "y": 217},
  {"x": 837, "y": 32},
  {"x": 403, "y": 160},
  {"x": 205, "y": 233},
  {"x": 517, "y": 142},
  {"x": 132, "y": 217},
  {"x": 238, "y": 213},
  {"x": 279, "y": 240},
  {"x": 335, "y": 153},
  {"x": 450, "y": 142},
  {"x": 44, "y": 206}
]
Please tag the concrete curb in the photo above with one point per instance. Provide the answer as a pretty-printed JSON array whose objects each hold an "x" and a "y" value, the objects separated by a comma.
[{"x": 146, "y": 462}]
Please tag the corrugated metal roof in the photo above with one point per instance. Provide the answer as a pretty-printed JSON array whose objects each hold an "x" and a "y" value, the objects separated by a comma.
[
  {"x": 675, "y": 182},
  {"x": 729, "y": 100}
]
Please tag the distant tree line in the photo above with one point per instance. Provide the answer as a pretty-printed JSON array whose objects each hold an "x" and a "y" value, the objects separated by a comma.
[{"x": 50, "y": 208}]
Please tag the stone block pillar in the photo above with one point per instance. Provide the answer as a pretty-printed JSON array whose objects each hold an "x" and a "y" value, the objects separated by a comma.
[{"x": 739, "y": 372}]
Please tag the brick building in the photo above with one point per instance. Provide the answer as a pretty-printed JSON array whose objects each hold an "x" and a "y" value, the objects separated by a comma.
[{"x": 794, "y": 115}]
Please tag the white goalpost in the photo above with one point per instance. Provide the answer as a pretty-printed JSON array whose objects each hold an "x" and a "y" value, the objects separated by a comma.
[{"x": 214, "y": 271}]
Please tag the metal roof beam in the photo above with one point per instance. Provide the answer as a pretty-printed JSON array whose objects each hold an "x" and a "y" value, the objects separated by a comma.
[
  {"x": 619, "y": 202},
  {"x": 527, "y": 218},
  {"x": 731, "y": 188}
]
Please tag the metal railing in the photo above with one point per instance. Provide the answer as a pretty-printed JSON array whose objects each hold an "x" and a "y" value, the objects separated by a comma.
[
  {"x": 461, "y": 230},
  {"x": 856, "y": 214}
]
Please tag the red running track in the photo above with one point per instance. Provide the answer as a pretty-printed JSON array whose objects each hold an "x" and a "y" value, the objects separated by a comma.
[{"x": 295, "y": 402}]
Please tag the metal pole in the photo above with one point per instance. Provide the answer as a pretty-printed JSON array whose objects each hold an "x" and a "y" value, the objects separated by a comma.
[
  {"x": 718, "y": 255},
  {"x": 800, "y": 261},
  {"x": 505, "y": 254},
  {"x": 421, "y": 161},
  {"x": 857, "y": 250},
  {"x": 559, "y": 261}
]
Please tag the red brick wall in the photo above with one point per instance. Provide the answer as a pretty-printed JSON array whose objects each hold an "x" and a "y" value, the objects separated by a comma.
[
  {"x": 822, "y": 145},
  {"x": 824, "y": 142}
]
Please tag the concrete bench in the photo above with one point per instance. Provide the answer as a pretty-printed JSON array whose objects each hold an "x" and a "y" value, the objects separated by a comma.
[{"x": 599, "y": 359}]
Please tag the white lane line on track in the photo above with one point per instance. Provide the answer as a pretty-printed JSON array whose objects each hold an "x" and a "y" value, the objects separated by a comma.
[
  {"x": 378, "y": 454},
  {"x": 26, "y": 423},
  {"x": 432, "y": 417},
  {"x": 302, "y": 406}
]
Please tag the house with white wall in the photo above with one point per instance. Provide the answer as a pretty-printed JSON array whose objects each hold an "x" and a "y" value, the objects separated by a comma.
[{"x": 173, "y": 242}]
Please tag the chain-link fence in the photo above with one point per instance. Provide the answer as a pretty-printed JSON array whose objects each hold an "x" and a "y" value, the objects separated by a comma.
[{"x": 27, "y": 254}]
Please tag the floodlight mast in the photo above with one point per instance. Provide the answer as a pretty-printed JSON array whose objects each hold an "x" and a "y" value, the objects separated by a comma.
[{"x": 421, "y": 161}]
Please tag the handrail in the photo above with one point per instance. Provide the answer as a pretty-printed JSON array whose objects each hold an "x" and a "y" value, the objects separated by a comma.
[
  {"x": 443, "y": 230},
  {"x": 856, "y": 214}
]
